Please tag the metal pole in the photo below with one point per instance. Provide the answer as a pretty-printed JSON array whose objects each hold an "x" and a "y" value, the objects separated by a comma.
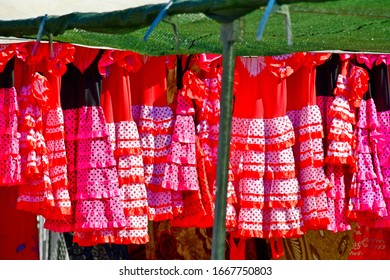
[{"x": 229, "y": 34}]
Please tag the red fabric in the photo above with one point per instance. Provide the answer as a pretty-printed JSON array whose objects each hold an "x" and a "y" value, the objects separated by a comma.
[
  {"x": 83, "y": 57},
  {"x": 18, "y": 231},
  {"x": 248, "y": 102},
  {"x": 148, "y": 84},
  {"x": 6, "y": 53},
  {"x": 301, "y": 86}
]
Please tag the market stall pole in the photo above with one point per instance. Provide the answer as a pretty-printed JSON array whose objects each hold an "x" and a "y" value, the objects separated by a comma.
[{"x": 230, "y": 33}]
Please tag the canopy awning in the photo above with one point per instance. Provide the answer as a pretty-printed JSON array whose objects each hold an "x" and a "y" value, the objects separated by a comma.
[{"x": 350, "y": 25}]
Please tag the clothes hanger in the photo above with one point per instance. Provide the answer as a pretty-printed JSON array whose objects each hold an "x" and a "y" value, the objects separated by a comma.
[
  {"x": 157, "y": 20},
  {"x": 273, "y": 7},
  {"x": 39, "y": 35}
]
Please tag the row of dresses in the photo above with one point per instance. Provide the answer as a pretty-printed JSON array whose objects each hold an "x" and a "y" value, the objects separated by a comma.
[{"x": 99, "y": 142}]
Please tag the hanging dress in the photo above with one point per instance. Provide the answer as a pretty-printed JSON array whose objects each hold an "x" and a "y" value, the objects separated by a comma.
[
  {"x": 115, "y": 66},
  {"x": 185, "y": 158},
  {"x": 35, "y": 192},
  {"x": 306, "y": 118},
  {"x": 155, "y": 122},
  {"x": 372, "y": 235},
  {"x": 207, "y": 127},
  {"x": 380, "y": 89},
  {"x": 93, "y": 176},
  {"x": 9, "y": 136},
  {"x": 262, "y": 159},
  {"x": 53, "y": 66},
  {"x": 19, "y": 240},
  {"x": 341, "y": 160},
  {"x": 366, "y": 197}
]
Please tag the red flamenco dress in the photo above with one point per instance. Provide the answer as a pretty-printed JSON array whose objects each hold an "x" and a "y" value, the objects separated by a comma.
[
  {"x": 262, "y": 159},
  {"x": 92, "y": 171},
  {"x": 209, "y": 71},
  {"x": 155, "y": 123},
  {"x": 115, "y": 67},
  {"x": 35, "y": 192},
  {"x": 182, "y": 161},
  {"x": 18, "y": 240},
  {"x": 341, "y": 160},
  {"x": 51, "y": 62},
  {"x": 308, "y": 150}
]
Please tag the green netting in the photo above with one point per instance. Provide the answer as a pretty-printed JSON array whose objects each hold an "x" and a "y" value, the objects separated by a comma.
[{"x": 348, "y": 25}]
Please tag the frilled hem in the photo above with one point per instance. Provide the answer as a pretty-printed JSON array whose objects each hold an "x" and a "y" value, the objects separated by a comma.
[
  {"x": 334, "y": 160},
  {"x": 132, "y": 179},
  {"x": 97, "y": 195},
  {"x": 280, "y": 146},
  {"x": 155, "y": 131},
  {"x": 310, "y": 136},
  {"x": 316, "y": 223},
  {"x": 270, "y": 204},
  {"x": 43, "y": 208},
  {"x": 341, "y": 138},
  {"x": 58, "y": 228},
  {"x": 127, "y": 152},
  {"x": 183, "y": 186},
  {"x": 310, "y": 162},
  {"x": 342, "y": 115},
  {"x": 86, "y": 226},
  {"x": 160, "y": 217},
  {"x": 101, "y": 164},
  {"x": 339, "y": 228},
  {"x": 154, "y": 160},
  {"x": 136, "y": 211}
]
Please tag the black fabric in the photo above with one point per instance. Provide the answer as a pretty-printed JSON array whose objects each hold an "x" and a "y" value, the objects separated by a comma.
[
  {"x": 81, "y": 89},
  {"x": 104, "y": 251},
  {"x": 7, "y": 76},
  {"x": 326, "y": 77},
  {"x": 379, "y": 87}
]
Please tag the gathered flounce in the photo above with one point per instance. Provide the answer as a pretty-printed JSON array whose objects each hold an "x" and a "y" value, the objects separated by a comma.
[
  {"x": 93, "y": 184},
  {"x": 155, "y": 126},
  {"x": 309, "y": 161},
  {"x": 265, "y": 176},
  {"x": 270, "y": 222},
  {"x": 128, "y": 60},
  {"x": 10, "y": 159},
  {"x": 180, "y": 170},
  {"x": 35, "y": 193}
]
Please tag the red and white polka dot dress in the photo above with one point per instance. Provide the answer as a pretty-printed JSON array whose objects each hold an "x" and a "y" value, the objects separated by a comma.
[
  {"x": 116, "y": 103},
  {"x": 180, "y": 171},
  {"x": 262, "y": 158},
  {"x": 207, "y": 128},
  {"x": 197, "y": 210},
  {"x": 35, "y": 192},
  {"x": 9, "y": 136},
  {"x": 155, "y": 123},
  {"x": 308, "y": 150},
  {"x": 92, "y": 172},
  {"x": 53, "y": 67}
]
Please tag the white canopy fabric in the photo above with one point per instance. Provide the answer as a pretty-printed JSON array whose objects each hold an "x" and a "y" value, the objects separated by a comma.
[{"x": 24, "y": 9}]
